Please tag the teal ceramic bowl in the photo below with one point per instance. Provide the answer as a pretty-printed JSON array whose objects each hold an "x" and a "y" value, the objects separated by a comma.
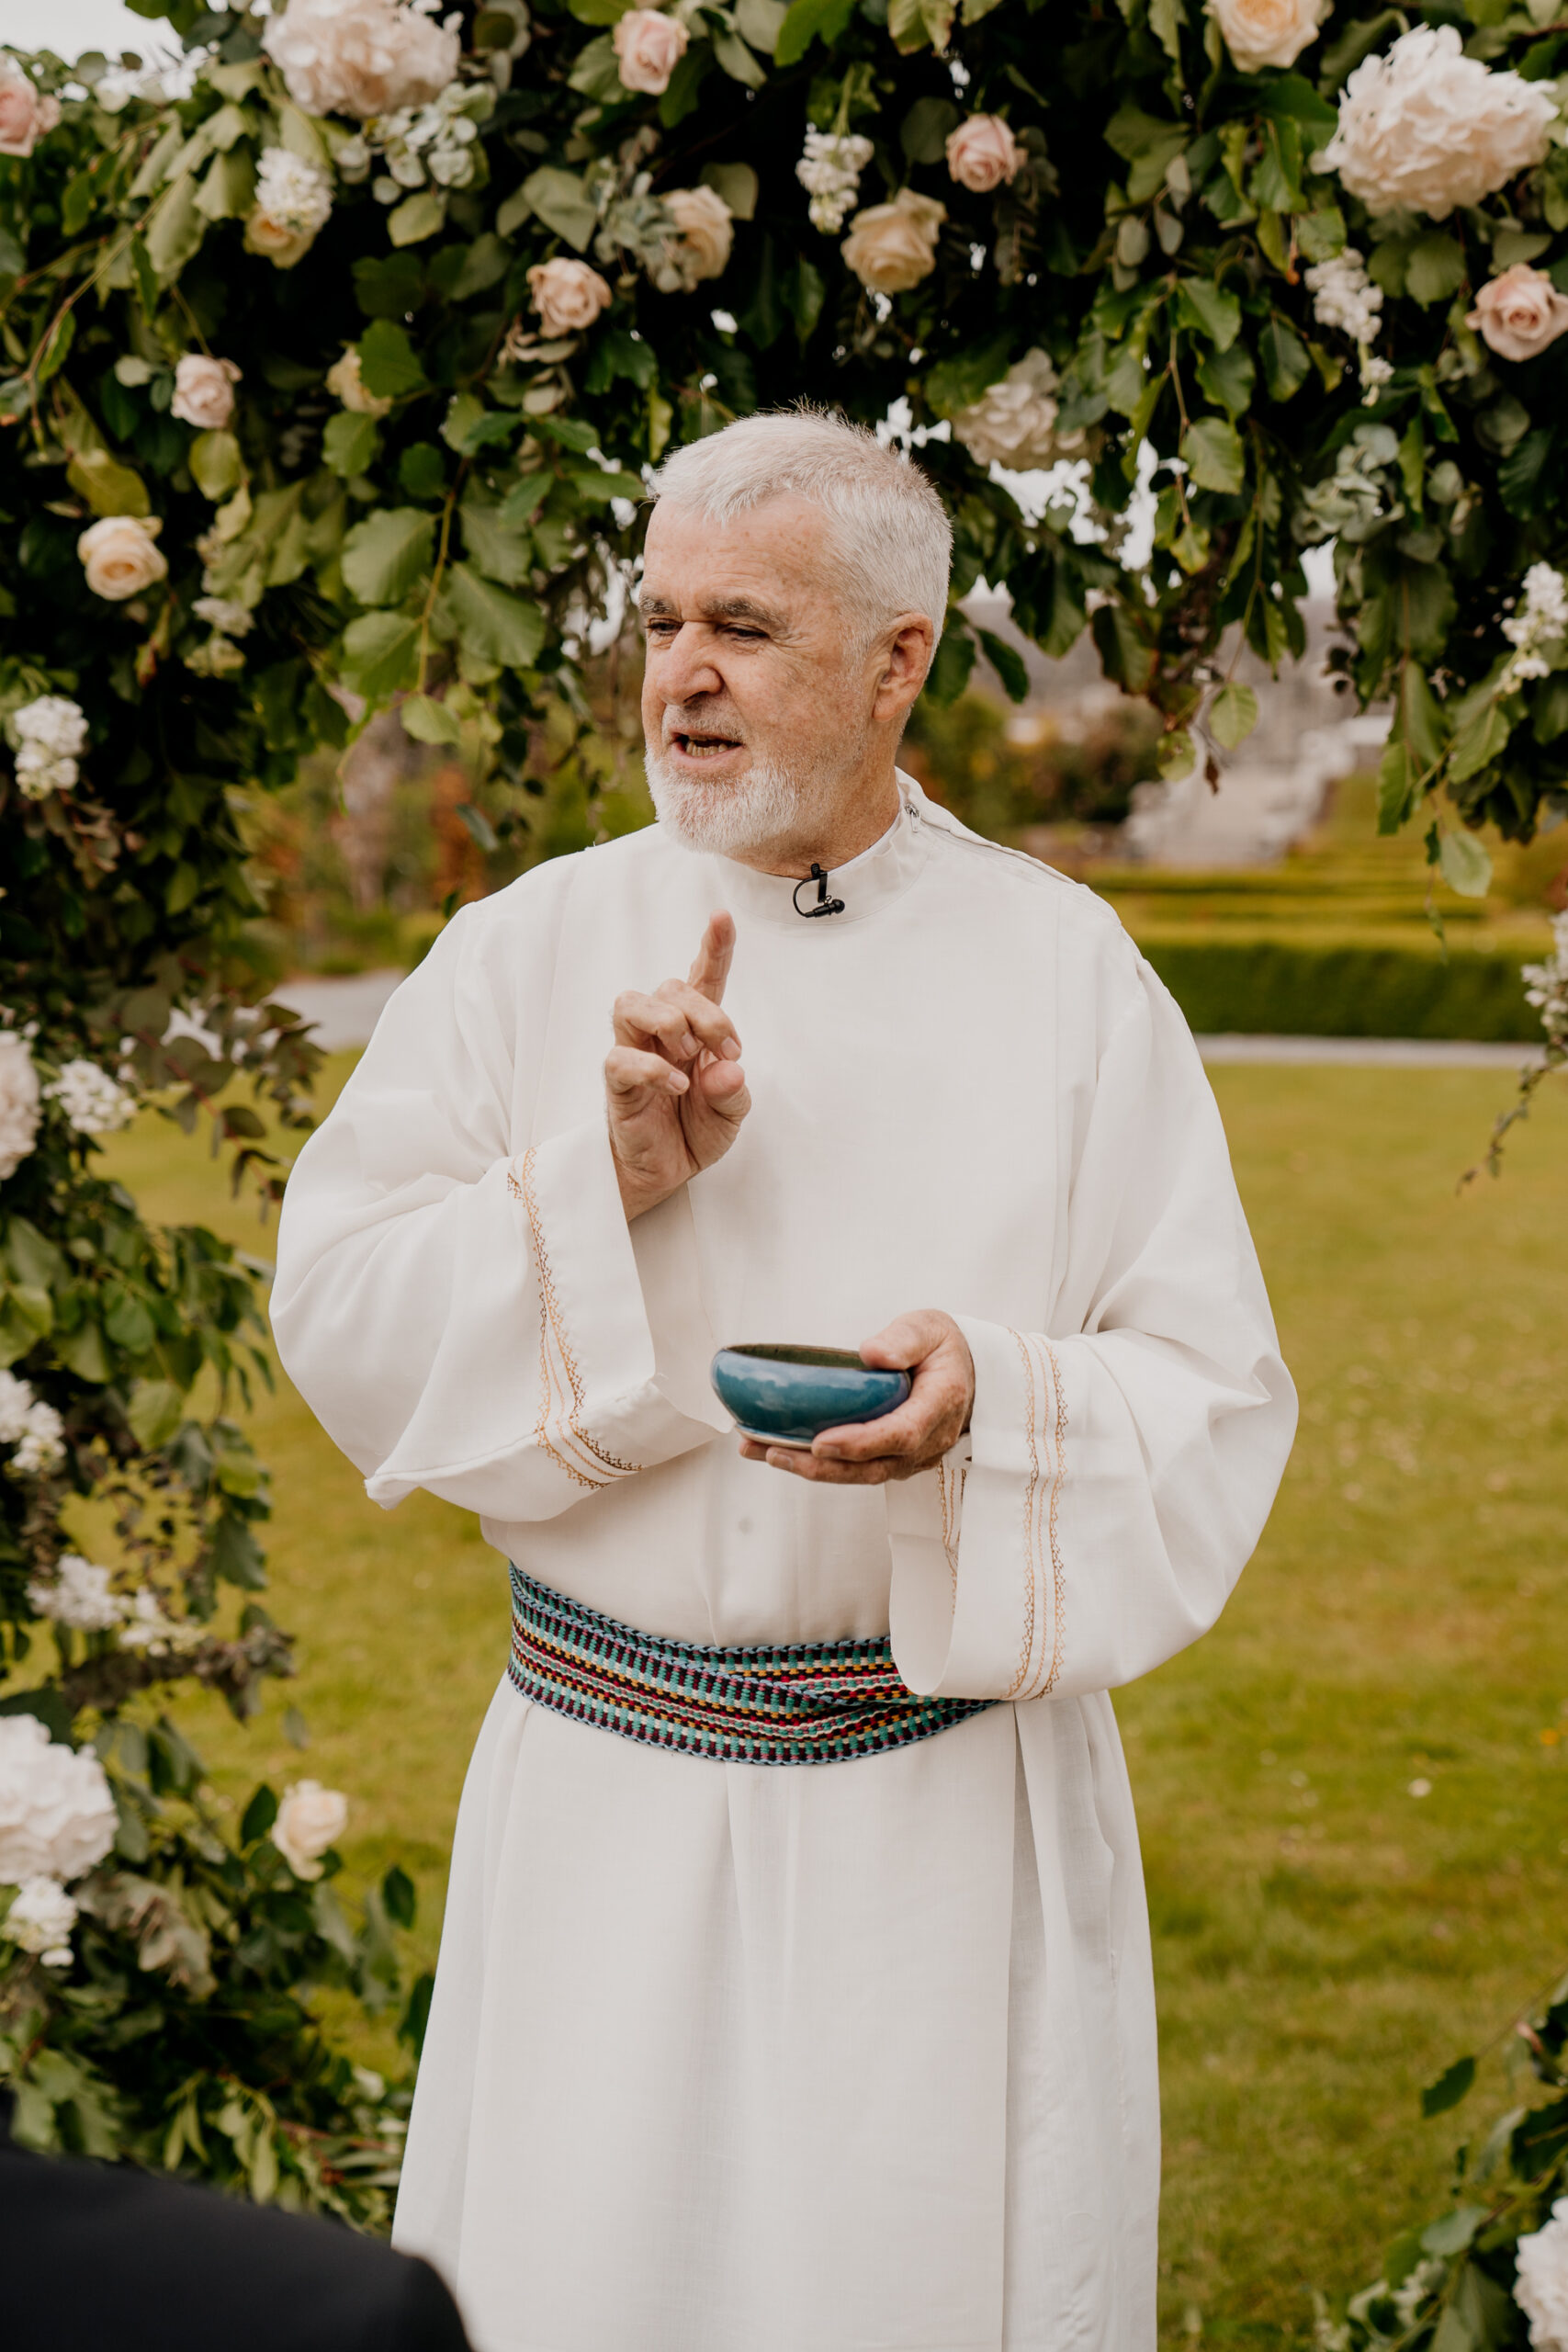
[{"x": 789, "y": 1396}]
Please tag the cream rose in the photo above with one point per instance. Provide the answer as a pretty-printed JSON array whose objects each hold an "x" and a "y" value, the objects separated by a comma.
[
  {"x": 567, "y": 294},
  {"x": 648, "y": 47},
  {"x": 121, "y": 557},
  {"x": 310, "y": 1819},
  {"x": 1426, "y": 129},
  {"x": 347, "y": 383},
  {"x": 891, "y": 247},
  {"x": 360, "y": 57},
  {"x": 19, "y": 1115},
  {"x": 1268, "y": 32},
  {"x": 26, "y": 114},
  {"x": 704, "y": 231},
  {"x": 1014, "y": 423},
  {"x": 204, "y": 391},
  {"x": 294, "y": 202},
  {"x": 982, "y": 153},
  {"x": 1520, "y": 313}
]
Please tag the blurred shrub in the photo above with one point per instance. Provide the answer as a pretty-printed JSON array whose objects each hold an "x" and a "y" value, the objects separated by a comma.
[
  {"x": 1001, "y": 771},
  {"x": 1294, "y": 988}
]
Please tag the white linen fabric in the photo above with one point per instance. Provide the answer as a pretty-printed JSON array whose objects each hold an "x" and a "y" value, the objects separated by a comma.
[{"x": 857, "y": 2057}]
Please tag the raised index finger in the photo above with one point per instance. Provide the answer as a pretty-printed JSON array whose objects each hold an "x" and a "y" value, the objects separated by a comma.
[{"x": 715, "y": 955}]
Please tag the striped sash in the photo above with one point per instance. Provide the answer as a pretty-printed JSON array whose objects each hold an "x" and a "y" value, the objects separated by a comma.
[{"x": 817, "y": 1702}]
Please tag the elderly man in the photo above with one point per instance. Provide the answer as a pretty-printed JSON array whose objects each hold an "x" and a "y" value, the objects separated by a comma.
[{"x": 770, "y": 2019}]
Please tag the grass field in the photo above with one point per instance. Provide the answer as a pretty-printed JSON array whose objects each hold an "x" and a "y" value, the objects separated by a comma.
[{"x": 1326, "y": 1940}]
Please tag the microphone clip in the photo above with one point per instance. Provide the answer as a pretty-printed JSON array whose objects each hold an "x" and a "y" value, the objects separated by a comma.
[{"x": 825, "y": 905}]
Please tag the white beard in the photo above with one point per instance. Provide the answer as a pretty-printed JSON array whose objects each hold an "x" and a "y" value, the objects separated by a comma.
[{"x": 725, "y": 820}]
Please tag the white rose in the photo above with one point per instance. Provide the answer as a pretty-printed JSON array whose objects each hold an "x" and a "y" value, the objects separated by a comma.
[
  {"x": 891, "y": 247},
  {"x": 1541, "y": 2285},
  {"x": 25, "y": 113},
  {"x": 982, "y": 152},
  {"x": 1268, "y": 32},
  {"x": 704, "y": 231},
  {"x": 310, "y": 1819},
  {"x": 567, "y": 294},
  {"x": 294, "y": 201},
  {"x": 57, "y": 1817},
  {"x": 648, "y": 47},
  {"x": 19, "y": 1093},
  {"x": 360, "y": 57},
  {"x": 1014, "y": 423},
  {"x": 40, "y": 1919},
  {"x": 1519, "y": 313},
  {"x": 1426, "y": 129},
  {"x": 346, "y": 384},
  {"x": 204, "y": 391},
  {"x": 121, "y": 557},
  {"x": 81, "y": 1595}
]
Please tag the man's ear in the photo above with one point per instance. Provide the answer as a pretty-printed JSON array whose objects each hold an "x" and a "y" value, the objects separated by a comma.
[{"x": 906, "y": 663}]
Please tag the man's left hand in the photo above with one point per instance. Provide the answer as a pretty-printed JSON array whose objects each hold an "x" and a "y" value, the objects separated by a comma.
[{"x": 927, "y": 1345}]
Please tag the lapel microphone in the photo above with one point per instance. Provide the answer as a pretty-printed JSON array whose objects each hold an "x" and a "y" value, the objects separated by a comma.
[{"x": 825, "y": 905}]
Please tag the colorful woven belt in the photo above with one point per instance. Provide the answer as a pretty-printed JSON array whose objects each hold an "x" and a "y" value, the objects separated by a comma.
[{"x": 817, "y": 1702}]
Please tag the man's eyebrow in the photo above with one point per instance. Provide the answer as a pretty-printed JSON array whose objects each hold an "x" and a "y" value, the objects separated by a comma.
[{"x": 728, "y": 608}]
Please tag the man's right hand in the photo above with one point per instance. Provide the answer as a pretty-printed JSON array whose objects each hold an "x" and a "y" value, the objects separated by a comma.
[{"x": 674, "y": 1082}]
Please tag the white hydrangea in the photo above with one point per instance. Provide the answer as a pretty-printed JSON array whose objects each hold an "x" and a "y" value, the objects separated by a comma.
[
  {"x": 80, "y": 1594},
  {"x": 153, "y": 1633},
  {"x": 436, "y": 142},
  {"x": 1546, "y": 985},
  {"x": 19, "y": 1095},
  {"x": 91, "y": 1100},
  {"x": 1542, "y": 617},
  {"x": 57, "y": 1816},
  {"x": 293, "y": 192},
  {"x": 40, "y": 1919},
  {"x": 1424, "y": 128},
  {"x": 34, "y": 1429},
  {"x": 1014, "y": 421},
  {"x": 363, "y": 57},
  {"x": 1540, "y": 2286},
  {"x": 1344, "y": 297},
  {"x": 829, "y": 172},
  {"x": 51, "y": 732},
  {"x": 225, "y": 613}
]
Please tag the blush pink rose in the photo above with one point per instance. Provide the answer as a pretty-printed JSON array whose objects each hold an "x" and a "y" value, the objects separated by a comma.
[
  {"x": 982, "y": 153},
  {"x": 648, "y": 47},
  {"x": 1520, "y": 313},
  {"x": 26, "y": 114},
  {"x": 204, "y": 391},
  {"x": 567, "y": 294},
  {"x": 891, "y": 247}
]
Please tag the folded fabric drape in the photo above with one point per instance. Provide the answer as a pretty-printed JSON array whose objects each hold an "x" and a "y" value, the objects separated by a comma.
[{"x": 816, "y": 1702}]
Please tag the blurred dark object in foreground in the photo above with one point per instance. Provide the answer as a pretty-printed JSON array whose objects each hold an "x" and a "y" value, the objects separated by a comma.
[{"x": 104, "y": 2255}]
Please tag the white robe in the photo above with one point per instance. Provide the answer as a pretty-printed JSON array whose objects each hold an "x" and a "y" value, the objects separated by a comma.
[{"x": 855, "y": 2057}]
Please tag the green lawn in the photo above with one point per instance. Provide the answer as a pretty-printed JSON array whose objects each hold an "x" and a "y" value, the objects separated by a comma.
[{"x": 1325, "y": 1941}]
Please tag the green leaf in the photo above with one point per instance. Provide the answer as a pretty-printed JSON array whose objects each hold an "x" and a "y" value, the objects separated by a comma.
[
  {"x": 1227, "y": 377},
  {"x": 485, "y": 264},
  {"x": 597, "y": 72},
  {"x": 379, "y": 654},
  {"x": 389, "y": 287},
  {"x": 258, "y": 1815},
  {"x": 153, "y": 1412},
  {"x": 1287, "y": 363},
  {"x": 214, "y": 462},
  {"x": 383, "y": 556},
  {"x": 600, "y": 12},
  {"x": 50, "y": 1708},
  {"x": 953, "y": 659},
  {"x": 736, "y": 183},
  {"x": 562, "y": 203},
  {"x": 810, "y": 20},
  {"x": 387, "y": 365},
  {"x": 492, "y": 546},
  {"x": 108, "y": 488},
  {"x": 923, "y": 132},
  {"x": 422, "y": 470},
  {"x": 350, "y": 443},
  {"x": 1454, "y": 2231},
  {"x": 1482, "y": 739},
  {"x": 1393, "y": 788},
  {"x": 494, "y": 624},
  {"x": 1175, "y": 754},
  {"x": 759, "y": 21},
  {"x": 1210, "y": 309},
  {"x": 1232, "y": 715},
  {"x": 1518, "y": 476},
  {"x": 418, "y": 216},
  {"x": 429, "y": 722},
  {"x": 1214, "y": 455},
  {"x": 1434, "y": 268},
  {"x": 958, "y": 382},
  {"x": 736, "y": 60},
  {"x": 176, "y": 227},
  {"x": 236, "y": 1555},
  {"x": 1008, "y": 663},
  {"x": 1467, "y": 869},
  {"x": 398, "y": 1895},
  {"x": 1125, "y": 654},
  {"x": 479, "y": 825}
]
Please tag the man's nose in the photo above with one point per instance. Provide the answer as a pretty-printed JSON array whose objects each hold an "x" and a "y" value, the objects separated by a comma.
[{"x": 687, "y": 667}]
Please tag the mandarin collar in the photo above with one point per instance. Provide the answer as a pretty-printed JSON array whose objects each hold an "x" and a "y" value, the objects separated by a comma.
[{"x": 868, "y": 884}]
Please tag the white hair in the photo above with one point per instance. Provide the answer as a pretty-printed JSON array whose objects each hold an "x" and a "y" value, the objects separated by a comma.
[{"x": 888, "y": 523}]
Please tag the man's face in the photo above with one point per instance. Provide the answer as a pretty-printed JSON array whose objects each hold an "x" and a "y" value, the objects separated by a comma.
[{"x": 757, "y": 691}]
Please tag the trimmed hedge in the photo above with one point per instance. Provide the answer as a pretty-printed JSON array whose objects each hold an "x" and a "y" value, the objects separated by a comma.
[{"x": 1276, "y": 988}]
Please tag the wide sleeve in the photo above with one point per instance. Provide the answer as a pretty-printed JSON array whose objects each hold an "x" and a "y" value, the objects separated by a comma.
[
  {"x": 1120, "y": 1465},
  {"x": 471, "y": 1317}
]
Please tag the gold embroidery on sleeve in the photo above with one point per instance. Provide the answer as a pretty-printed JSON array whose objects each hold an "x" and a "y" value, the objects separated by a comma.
[
  {"x": 559, "y": 1421},
  {"x": 950, "y": 1492},
  {"x": 1041, "y": 1532}
]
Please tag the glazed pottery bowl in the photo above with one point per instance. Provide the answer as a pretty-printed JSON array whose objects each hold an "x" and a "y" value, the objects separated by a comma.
[{"x": 784, "y": 1395}]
